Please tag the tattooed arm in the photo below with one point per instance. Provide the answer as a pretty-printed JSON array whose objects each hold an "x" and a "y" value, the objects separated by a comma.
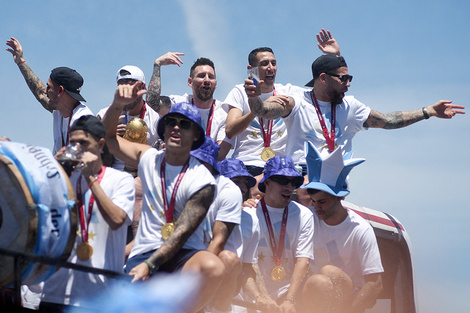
[
  {"x": 274, "y": 107},
  {"x": 36, "y": 86},
  {"x": 155, "y": 87},
  {"x": 193, "y": 214},
  {"x": 441, "y": 109}
]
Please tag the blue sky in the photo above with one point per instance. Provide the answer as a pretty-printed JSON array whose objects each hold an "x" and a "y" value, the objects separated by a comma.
[{"x": 403, "y": 55}]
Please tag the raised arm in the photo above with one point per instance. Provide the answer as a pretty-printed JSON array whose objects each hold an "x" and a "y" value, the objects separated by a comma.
[
  {"x": 326, "y": 43},
  {"x": 155, "y": 86},
  {"x": 441, "y": 109},
  {"x": 193, "y": 214},
  {"x": 127, "y": 151},
  {"x": 36, "y": 86}
]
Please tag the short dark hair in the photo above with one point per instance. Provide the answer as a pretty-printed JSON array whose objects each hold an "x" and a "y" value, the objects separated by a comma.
[
  {"x": 252, "y": 60},
  {"x": 199, "y": 62},
  {"x": 90, "y": 124},
  {"x": 311, "y": 191}
]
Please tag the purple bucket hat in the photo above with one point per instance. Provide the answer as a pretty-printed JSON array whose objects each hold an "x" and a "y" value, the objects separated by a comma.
[
  {"x": 235, "y": 168},
  {"x": 191, "y": 112},
  {"x": 280, "y": 165},
  {"x": 208, "y": 152}
]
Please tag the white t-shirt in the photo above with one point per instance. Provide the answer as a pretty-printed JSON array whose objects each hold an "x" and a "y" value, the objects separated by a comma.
[
  {"x": 226, "y": 207},
  {"x": 150, "y": 117},
  {"x": 351, "y": 246},
  {"x": 298, "y": 243},
  {"x": 251, "y": 235},
  {"x": 149, "y": 235},
  {"x": 218, "y": 120},
  {"x": 250, "y": 143},
  {"x": 60, "y": 126},
  {"x": 72, "y": 287},
  {"x": 304, "y": 124}
]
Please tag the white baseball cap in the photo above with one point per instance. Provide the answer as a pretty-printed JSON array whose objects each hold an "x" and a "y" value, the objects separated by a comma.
[{"x": 130, "y": 72}]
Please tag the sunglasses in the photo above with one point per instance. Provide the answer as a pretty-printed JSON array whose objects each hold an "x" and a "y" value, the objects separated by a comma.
[
  {"x": 342, "y": 78},
  {"x": 284, "y": 181},
  {"x": 183, "y": 123}
]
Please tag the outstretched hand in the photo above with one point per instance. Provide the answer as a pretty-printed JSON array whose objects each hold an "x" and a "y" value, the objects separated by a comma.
[
  {"x": 169, "y": 58},
  {"x": 126, "y": 94},
  {"x": 16, "y": 49},
  {"x": 326, "y": 43},
  {"x": 445, "y": 109}
]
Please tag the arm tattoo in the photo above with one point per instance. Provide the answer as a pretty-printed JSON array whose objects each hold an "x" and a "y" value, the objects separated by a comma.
[
  {"x": 36, "y": 86},
  {"x": 393, "y": 120},
  {"x": 268, "y": 109},
  {"x": 154, "y": 90},
  {"x": 193, "y": 214}
]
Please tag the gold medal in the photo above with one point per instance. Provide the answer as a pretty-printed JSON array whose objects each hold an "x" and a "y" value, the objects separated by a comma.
[
  {"x": 84, "y": 251},
  {"x": 278, "y": 273},
  {"x": 167, "y": 230},
  {"x": 267, "y": 154}
]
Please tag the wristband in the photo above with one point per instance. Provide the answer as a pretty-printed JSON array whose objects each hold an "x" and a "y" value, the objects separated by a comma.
[
  {"x": 151, "y": 266},
  {"x": 94, "y": 181},
  {"x": 21, "y": 62},
  {"x": 425, "y": 113}
]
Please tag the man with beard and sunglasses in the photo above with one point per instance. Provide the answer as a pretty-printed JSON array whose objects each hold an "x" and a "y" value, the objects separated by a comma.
[
  {"x": 286, "y": 239},
  {"x": 177, "y": 191},
  {"x": 326, "y": 117},
  {"x": 203, "y": 82}
]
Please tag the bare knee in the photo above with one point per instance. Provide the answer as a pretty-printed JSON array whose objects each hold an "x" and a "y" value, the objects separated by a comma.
[{"x": 231, "y": 261}]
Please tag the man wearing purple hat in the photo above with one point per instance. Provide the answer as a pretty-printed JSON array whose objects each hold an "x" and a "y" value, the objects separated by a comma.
[
  {"x": 286, "y": 244},
  {"x": 61, "y": 96},
  {"x": 178, "y": 191},
  {"x": 222, "y": 224},
  {"x": 347, "y": 266}
]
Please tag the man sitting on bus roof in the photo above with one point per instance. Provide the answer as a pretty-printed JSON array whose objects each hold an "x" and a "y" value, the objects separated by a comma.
[{"x": 347, "y": 266}]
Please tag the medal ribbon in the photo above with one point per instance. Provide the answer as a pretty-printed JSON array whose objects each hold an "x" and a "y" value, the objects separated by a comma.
[
  {"x": 83, "y": 225},
  {"x": 269, "y": 130},
  {"x": 169, "y": 209},
  {"x": 209, "y": 119},
  {"x": 277, "y": 251},
  {"x": 66, "y": 141},
  {"x": 330, "y": 140}
]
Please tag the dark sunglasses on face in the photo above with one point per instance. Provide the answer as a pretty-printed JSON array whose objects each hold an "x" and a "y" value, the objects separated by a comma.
[
  {"x": 284, "y": 181},
  {"x": 342, "y": 78},
  {"x": 183, "y": 123}
]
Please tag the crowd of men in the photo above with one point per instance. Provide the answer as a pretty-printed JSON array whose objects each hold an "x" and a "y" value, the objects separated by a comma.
[{"x": 190, "y": 208}]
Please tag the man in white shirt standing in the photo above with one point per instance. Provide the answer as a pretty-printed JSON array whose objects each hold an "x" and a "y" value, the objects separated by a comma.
[
  {"x": 60, "y": 96},
  {"x": 203, "y": 82}
]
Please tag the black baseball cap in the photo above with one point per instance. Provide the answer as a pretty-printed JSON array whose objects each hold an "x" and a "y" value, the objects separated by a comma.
[
  {"x": 70, "y": 80},
  {"x": 90, "y": 124},
  {"x": 325, "y": 64}
]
